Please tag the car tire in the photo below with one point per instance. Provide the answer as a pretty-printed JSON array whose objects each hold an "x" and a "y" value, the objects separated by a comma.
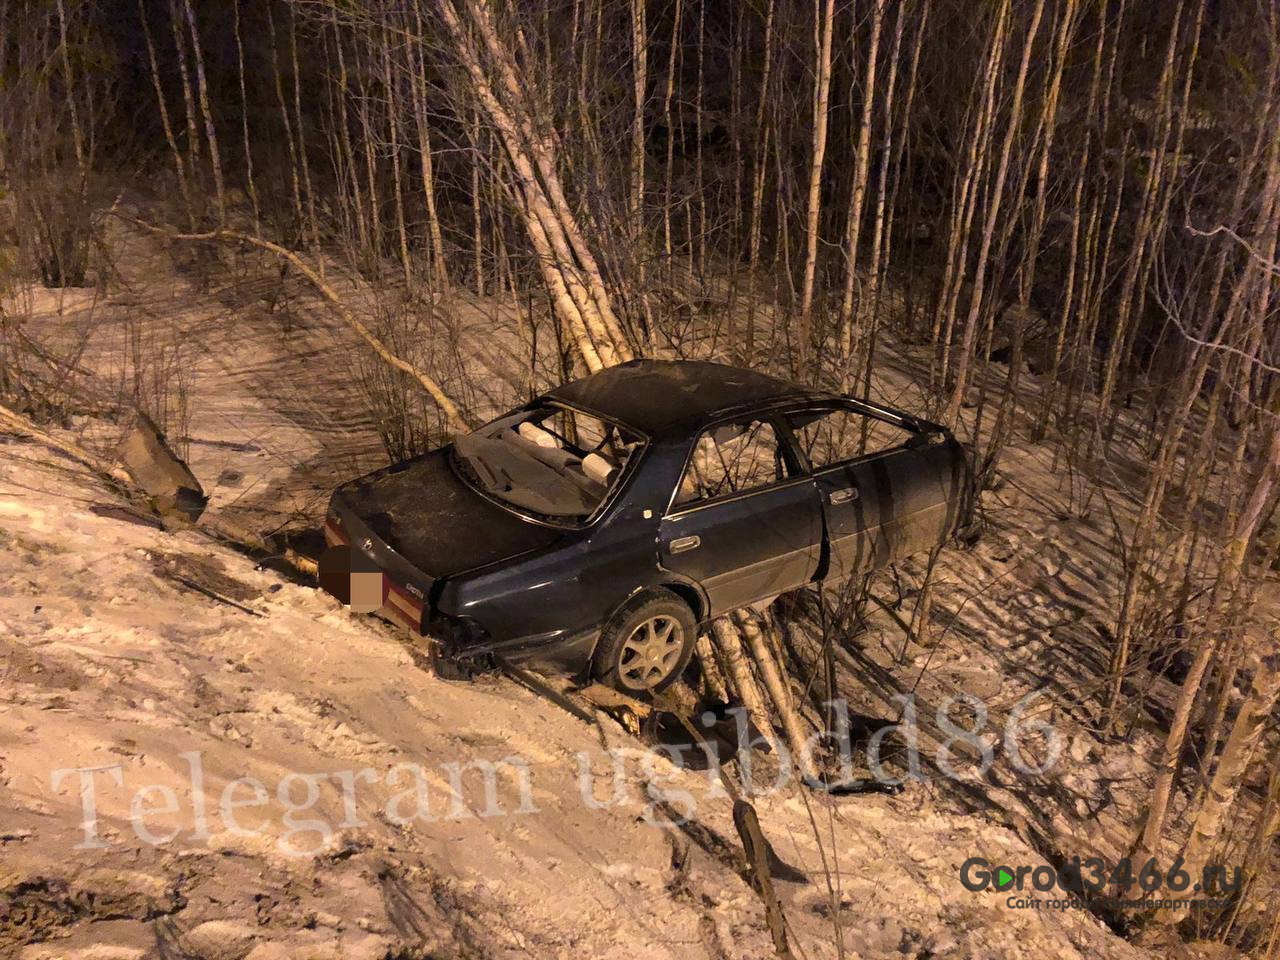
[{"x": 647, "y": 644}]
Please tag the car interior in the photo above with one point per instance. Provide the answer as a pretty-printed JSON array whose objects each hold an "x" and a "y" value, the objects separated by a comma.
[{"x": 552, "y": 460}]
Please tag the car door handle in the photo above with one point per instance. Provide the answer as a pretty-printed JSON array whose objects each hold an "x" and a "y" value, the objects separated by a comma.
[
  {"x": 843, "y": 496},
  {"x": 681, "y": 544}
]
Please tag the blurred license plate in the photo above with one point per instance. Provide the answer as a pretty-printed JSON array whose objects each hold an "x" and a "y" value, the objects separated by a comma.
[{"x": 368, "y": 590}]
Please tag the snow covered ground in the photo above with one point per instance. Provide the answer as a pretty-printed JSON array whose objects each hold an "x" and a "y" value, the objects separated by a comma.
[
  {"x": 181, "y": 777},
  {"x": 364, "y": 828}
]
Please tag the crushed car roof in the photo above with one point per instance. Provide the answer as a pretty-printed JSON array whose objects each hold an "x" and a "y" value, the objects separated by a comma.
[{"x": 660, "y": 395}]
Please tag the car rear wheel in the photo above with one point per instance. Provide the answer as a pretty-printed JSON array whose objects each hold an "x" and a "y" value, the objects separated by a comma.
[{"x": 647, "y": 645}]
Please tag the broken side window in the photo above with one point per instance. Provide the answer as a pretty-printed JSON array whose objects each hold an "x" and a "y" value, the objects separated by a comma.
[
  {"x": 833, "y": 436},
  {"x": 732, "y": 458}
]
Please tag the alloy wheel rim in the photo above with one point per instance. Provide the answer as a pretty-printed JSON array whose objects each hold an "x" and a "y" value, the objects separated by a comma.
[{"x": 651, "y": 652}]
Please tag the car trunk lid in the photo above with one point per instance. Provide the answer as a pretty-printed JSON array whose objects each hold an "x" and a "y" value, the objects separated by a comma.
[{"x": 421, "y": 523}]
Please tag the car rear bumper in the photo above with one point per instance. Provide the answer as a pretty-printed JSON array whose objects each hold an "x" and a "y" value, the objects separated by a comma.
[{"x": 556, "y": 652}]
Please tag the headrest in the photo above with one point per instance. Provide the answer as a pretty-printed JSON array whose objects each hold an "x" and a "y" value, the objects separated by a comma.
[
  {"x": 598, "y": 468},
  {"x": 535, "y": 434}
]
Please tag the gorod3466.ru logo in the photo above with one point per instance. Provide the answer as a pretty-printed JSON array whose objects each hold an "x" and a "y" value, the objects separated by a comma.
[{"x": 1092, "y": 875}]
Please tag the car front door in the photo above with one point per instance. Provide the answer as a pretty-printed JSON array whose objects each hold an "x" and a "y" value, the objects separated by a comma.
[
  {"x": 884, "y": 495},
  {"x": 745, "y": 523}
]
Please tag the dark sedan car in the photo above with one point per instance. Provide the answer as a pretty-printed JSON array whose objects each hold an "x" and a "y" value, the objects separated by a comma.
[{"x": 598, "y": 525}]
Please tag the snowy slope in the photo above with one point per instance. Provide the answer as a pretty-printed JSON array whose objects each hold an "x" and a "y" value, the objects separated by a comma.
[{"x": 107, "y": 661}]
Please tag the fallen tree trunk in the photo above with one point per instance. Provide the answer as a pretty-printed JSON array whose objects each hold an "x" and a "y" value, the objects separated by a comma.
[
  {"x": 712, "y": 676},
  {"x": 773, "y": 676},
  {"x": 738, "y": 671},
  {"x": 108, "y": 471}
]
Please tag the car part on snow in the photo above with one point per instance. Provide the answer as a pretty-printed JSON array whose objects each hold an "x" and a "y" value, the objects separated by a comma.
[
  {"x": 159, "y": 473},
  {"x": 535, "y": 684},
  {"x": 857, "y": 785}
]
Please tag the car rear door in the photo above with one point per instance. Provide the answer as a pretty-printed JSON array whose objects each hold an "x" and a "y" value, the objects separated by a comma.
[
  {"x": 745, "y": 523},
  {"x": 886, "y": 491}
]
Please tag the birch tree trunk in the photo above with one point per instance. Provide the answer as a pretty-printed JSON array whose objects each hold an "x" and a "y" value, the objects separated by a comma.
[
  {"x": 640, "y": 100},
  {"x": 994, "y": 204},
  {"x": 244, "y": 120},
  {"x": 775, "y": 682},
  {"x": 759, "y": 172},
  {"x": 965, "y": 201},
  {"x": 572, "y": 276},
  {"x": 738, "y": 671},
  {"x": 1264, "y": 690},
  {"x": 823, "y": 25},
  {"x": 178, "y": 163},
  {"x": 311, "y": 219},
  {"x": 393, "y": 146},
  {"x": 1078, "y": 227},
  {"x": 537, "y": 140},
  {"x": 215, "y": 157},
  {"x": 347, "y": 152},
  {"x": 857, "y": 195},
  {"x": 699, "y": 178},
  {"x": 1155, "y": 187},
  {"x": 640, "y": 79},
  {"x": 286, "y": 121},
  {"x": 671, "y": 137},
  {"x": 1259, "y": 279},
  {"x": 417, "y": 64},
  {"x": 1026, "y": 275},
  {"x": 879, "y": 242},
  {"x": 180, "y": 44}
]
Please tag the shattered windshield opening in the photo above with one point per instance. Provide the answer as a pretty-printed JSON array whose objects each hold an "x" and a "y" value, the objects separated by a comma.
[{"x": 550, "y": 460}]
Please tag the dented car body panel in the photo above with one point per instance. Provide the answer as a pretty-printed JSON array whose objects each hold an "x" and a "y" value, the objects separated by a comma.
[{"x": 466, "y": 561}]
